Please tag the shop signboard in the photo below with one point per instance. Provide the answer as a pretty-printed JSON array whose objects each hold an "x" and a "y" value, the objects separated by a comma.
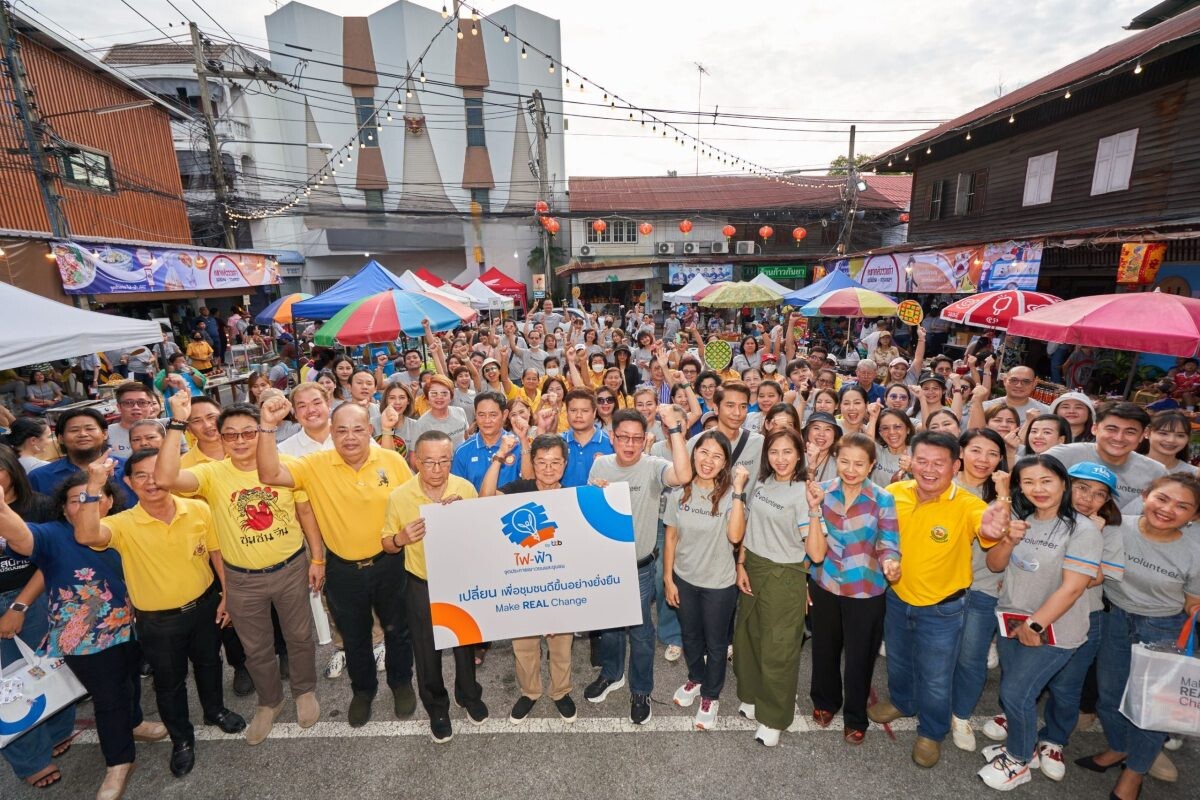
[
  {"x": 681, "y": 274},
  {"x": 119, "y": 269},
  {"x": 780, "y": 272}
]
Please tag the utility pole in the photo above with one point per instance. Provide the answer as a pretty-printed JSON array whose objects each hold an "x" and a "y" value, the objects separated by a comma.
[
  {"x": 849, "y": 199},
  {"x": 542, "y": 130},
  {"x": 699, "y": 94},
  {"x": 31, "y": 125},
  {"x": 214, "y": 149}
]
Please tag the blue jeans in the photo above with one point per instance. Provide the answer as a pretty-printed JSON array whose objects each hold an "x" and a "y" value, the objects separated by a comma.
[
  {"x": 30, "y": 754},
  {"x": 1025, "y": 672},
  {"x": 970, "y": 673},
  {"x": 668, "y": 621},
  {"x": 1118, "y": 632},
  {"x": 641, "y": 643},
  {"x": 922, "y": 647},
  {"x": 1061, "y": 711}
]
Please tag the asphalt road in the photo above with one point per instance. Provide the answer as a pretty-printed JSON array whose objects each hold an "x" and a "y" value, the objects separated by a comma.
[{"x": 601, "y": 755}]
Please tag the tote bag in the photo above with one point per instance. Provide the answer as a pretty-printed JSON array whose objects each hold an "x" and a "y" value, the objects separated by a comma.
[
  {"x": 1163, "y": 691},
  {"x": 33, "y": 689}
]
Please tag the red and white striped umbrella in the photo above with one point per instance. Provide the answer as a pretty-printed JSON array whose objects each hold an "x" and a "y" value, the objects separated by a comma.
[{"x": 996, "y": 309}]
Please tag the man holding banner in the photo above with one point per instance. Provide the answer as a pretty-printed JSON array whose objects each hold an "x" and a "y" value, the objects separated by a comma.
[{"x": 647, "y": 476}]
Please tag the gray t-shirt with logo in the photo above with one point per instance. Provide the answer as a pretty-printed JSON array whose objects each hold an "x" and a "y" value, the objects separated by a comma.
[
  {"x": 454, "y": 426},
  {"x": 1034, "y": 572},
  {"x": 1030, "y": 404},
  {"x": 749, "y": 457},
  {"x": 1157, "y": 574},
  {"x": 703, "y": 554},
  {"x": 1113, "y": 564},
  {"x": 1132, "y": 477},
  {"x": 646, "y": 480},
  {"x": 777, "y": 522}
]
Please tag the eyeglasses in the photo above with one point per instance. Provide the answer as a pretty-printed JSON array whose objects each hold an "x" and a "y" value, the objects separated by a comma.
[
  {"x": 136, "y": 403},
  {"x": 1020, "y": 381},
  {"x": 245, "y": 436},
  {"x": 623, "y": 439},
  {"x": 428, "y": 463},
  {"x": 606, "y": 401}
]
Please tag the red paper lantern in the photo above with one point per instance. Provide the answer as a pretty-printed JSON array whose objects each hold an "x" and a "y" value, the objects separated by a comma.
[
  {"x": 766, "y": 232},
  {"x": 599, "y": 226},
  {"x": 798, "y": 234},
  {"x": 729, "y": 231},
  {"x": 541, "y": 206},
  {"x": 904, "y": 217},
  {"x": 552, "y": 225},
  {"x": 645, "y": 229},
  {"x": 685, "y": 227}
]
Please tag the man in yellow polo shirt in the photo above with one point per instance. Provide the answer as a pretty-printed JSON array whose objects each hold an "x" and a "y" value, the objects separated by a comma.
[
  {"x": 924, "y": 619},
  {"x": 348, "y": 487},
  {"x": 166, "y": 543},
  {"x": 404, "y": 530},
  {"x": 262, "y": 534},
  {"x": 202, "y": 424}
]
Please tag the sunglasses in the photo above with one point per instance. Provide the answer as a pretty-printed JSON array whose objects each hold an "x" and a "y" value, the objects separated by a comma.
[
  {"x": 606, "y": 401},
  {"x": 245, "y": 436}
]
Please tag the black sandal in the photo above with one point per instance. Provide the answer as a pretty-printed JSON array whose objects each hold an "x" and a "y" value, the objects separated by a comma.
[{"x": 1089, "y": 763}]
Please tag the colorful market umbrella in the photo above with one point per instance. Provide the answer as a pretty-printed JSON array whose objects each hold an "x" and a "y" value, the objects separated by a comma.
[
  {"x": 850, "y": 302},
  {"x": 385, "y": 316},
  {"x": 996, "y": 309},
  {"x": 281, "y": 310},
  {"x": 707, "y": 290},
  {"x": 1142, "y": 322},
  {"x": 740, "y": 295}
]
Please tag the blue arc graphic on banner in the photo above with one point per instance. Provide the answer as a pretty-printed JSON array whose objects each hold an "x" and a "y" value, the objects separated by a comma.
[
  {"x": 36, "y": 709},
  {"x": 603, "y": 518}
]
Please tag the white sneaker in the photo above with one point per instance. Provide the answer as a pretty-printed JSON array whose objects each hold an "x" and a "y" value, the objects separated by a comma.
[
  {"x": 336, "y": 665},
  {"x": 1005, "y": 773},
  {"x": 1174, "y": 742},
  {"x": 687, "y": 693},
  {"x": 883, "y": 649},
  {"x": 746, "y": 710},
  {"x": 768, "y": 737},
  {"x": 996, "y": 728},
  {"x": 1050, "y": 759},
  {"x": 993, "y": 660},
  {"x": 673, "y": 652},
  {"x": 729, "y": 654},
  {"x": 706, "y": 717},
  {"x": 993, "y": 750},
  {"x": 380, "y": 657},
  {"x": 964, "y": 734}
]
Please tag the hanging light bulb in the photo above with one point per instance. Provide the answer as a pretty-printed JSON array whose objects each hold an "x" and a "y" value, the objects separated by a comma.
[
  {"x": 408, "y": 92},
  {"x": 568, "y": 82},
  {"x": 523, "y": 53},
  {"x": 968, "y": 136},
  {"x": 399, "y": 104},
  {"x": 1138, "y": 69},
  {"x": 460, "y": 33},
  {"x": 1067, "y": 96},
  {"x": 445, "y": 12},
  {"x": 506, "y": 37},
  {"x": 389, "y": 116},
  {"x": 906, "y": 156},
  {"x": 552, "y": 66},
  {"x": 1011, "y": 119},
  {"x": 422, "y": 76},
  {"x": 370, "y": 137},
  {"x": 929, "y": 150},
  {"x": 474, "y": 15},
  {"x": 474, "y": 29}
]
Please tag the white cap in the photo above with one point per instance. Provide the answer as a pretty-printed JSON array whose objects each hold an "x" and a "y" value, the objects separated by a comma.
[
  {"x": 898, "y": 360},
  {"x": 1079, "y": 396}
]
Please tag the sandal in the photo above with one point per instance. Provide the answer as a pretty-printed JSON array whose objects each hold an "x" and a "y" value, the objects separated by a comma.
[
  {"x": 46, "y": 778},
  {"x": 62, "y": 747},
  {"x": 480, "y": 655},
  {"x": 853, "y": 736},
  {"x": 822, "y": 717}
]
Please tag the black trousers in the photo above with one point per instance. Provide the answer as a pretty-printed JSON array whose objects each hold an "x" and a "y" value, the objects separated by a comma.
[
  {"x": 111, "y": 678},
  {"x": 704, "y": 617},
  {"x": 430, "y": 685},
  {"x": 169, "y": 643},
  {"x": 849, "y": 625},
  {"x": 352, "y": 594}
]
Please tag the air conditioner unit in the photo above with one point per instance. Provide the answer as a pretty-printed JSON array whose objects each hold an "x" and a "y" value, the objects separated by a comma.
[
  {"x": 745, "y": 248},
  {"x": 692, "y": 248},
  {"x": 665, "y": 248},
  {"x": 720, "y": 247},
  {"x": 586, "y": 250}
]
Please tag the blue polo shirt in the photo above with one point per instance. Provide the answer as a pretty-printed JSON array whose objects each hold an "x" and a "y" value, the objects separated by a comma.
[
  {"x": 581, "y": 456},
  {"x": 472, "y": 459},
  {"x": 46, "y": 478}
]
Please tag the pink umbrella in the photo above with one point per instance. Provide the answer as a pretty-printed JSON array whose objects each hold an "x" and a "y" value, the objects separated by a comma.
[
  {"x": 1142, "y": 322},
  {"x": 995, "y": 309}
]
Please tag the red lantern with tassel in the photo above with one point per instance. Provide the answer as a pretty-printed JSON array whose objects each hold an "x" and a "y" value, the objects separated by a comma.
[
  {"x": 599, "y": 226},
  {"x": 541, "y": 207},
  {"x": 685, "y": 227},
  {"x": 798, "y": 234},
  {"x": 552, "y": 225},
  {"x": 729, "y": 231},
  {"x": 645, "y": 229},
  {"x": 766, "y": 232}
]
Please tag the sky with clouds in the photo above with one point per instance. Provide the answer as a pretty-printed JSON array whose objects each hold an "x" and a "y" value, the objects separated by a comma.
[{"x": 851, "y": 60}]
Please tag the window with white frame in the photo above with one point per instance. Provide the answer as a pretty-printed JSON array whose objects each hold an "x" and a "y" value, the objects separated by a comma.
[
  {"x": 618, "y": 231},
  {"x": 88, "y": 169},
  {"x": 1114, "y": 162},
  {"x": 1039, "y": 179}
]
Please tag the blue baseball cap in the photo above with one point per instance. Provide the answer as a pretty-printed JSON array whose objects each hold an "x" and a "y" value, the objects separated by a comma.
[{"x": 1091, "y": 471}]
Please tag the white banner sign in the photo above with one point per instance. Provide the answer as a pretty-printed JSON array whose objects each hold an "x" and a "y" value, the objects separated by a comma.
[{"x": 530, "y": 564}]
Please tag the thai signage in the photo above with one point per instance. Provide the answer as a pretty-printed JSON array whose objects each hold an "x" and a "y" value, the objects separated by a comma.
[
  {"x": 785, "y": 271},
  {"x": 680, "y": 274},
  {"x": 118, "y": 269},
  {"x": 963, "y": 270}
]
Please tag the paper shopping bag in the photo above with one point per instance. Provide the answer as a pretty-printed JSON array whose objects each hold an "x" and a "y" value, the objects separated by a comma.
[{"x": 33, "y": 689}]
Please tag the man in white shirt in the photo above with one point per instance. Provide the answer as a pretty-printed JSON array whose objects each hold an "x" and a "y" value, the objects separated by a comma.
[{"x": 134, "y": 402}]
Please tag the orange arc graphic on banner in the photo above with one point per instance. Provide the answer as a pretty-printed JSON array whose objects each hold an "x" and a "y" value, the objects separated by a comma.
[{"x": 457, "y": 621}]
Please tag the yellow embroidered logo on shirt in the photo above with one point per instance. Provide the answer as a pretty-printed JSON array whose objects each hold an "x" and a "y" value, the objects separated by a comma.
[{"x": 939, "y": 534}]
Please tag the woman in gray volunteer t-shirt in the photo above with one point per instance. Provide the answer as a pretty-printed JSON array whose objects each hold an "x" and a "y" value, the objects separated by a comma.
[
  {"x": 1048, "y": 558},
  {"x": 1160, "y": 588}
]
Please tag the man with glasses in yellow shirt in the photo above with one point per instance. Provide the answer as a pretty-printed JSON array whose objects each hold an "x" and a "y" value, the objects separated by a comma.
[{"x": 348, "y": 487}]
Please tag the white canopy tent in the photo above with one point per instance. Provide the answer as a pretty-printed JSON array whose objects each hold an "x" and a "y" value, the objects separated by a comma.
[
  {"x": 410, "y": 280},
  {"x": 767, "y": 283},
  {"x": 35, "y": 329},
  {"x": 688, "y": 293},
  {"x": 491, "y": 300}
]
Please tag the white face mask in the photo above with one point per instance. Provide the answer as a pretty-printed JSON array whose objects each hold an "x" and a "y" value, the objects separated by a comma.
[
  {"x": 551, "y": 370},
  {"x": 597, "y": 368},
  {"x": 768, "y": 368}
]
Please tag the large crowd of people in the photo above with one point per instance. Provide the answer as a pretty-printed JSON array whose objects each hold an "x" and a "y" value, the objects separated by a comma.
[{"x": 909, "y": 504}]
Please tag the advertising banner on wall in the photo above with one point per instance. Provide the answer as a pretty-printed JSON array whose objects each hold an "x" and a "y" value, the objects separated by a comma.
[
  {"x": 964, "y": 270},
  {"x": 1140, "y": 262},
  {"x": 117, "y": 269},
  {"x": 680, "y": 274}
]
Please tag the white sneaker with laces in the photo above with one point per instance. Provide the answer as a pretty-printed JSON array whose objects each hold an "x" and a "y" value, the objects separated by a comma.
[
  {"x": 729, "y": 654},
  {"x": 706, "y": 717},
  {"x": 993, "y": 659},
  {"x": 380, "y": 657},
  {"x": 996, "y": 728},
  {"x": 673, "y": 652},
  {"x": 1005, "y": 773},
  {"x": 1050, "y": 760},
  {"x": 336, "y": 665},
  {"x": 1174, "y": 742},
  {"x": 746, "y": 710},
  {"x": 685, "y": 694},
  {"x": 768, "y": 737},
  {"x": 964, "y": 734},
  {"x": 993, "y": 750}
]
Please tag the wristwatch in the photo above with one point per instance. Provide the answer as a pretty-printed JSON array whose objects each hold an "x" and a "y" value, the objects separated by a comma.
[
  {"x": 19, "y": 607},
  {"x": 1036, "y": 627},
  {"x": 674, "y": 430},
  {"x": 176, "y": 425},
  {"x": 739, "y": 496},
  {"x": 84, "y": 497}
]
